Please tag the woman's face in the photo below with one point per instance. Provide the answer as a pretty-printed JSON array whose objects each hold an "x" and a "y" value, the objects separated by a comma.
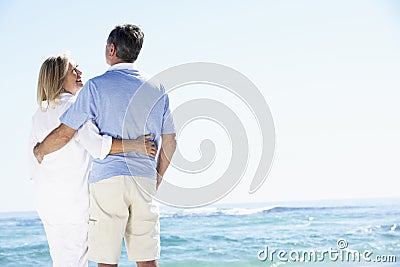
[{"x": 73, "y": 82}]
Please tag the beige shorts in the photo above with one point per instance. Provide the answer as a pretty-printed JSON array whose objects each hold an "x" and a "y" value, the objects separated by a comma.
[{"x": 123, "y": 207}]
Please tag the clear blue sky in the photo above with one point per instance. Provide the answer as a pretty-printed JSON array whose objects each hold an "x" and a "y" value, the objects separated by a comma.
[{"x": 329, "y": 71}]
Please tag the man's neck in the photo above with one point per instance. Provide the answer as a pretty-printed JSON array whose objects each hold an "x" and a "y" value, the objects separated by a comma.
[{"x": 117, "y": 61}]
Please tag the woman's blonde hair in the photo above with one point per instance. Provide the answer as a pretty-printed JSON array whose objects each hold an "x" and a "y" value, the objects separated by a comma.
[{"x": 51, "y": 79}]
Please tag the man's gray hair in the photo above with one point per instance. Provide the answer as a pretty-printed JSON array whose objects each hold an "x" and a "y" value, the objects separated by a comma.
[{"x": 128, "y": 41}]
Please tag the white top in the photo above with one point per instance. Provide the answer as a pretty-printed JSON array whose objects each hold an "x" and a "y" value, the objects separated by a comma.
[{"x": 61, "y": 179}]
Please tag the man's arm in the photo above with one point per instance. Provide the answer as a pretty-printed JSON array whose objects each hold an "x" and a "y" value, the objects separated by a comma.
[
  {"x": 168, "y": 146},
  {"x": 58, "y": 138}
]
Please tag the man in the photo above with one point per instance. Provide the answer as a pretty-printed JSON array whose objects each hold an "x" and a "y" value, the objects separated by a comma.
[{"x": 123, "y": 105}]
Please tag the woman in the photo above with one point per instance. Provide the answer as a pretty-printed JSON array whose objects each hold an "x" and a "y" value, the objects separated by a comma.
[{"x": 61, "y": 188}]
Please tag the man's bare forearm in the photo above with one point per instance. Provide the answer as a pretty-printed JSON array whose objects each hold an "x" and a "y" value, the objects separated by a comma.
[
  {"x": 58, "y": 138},
  {"x": 167, "y": 150}
]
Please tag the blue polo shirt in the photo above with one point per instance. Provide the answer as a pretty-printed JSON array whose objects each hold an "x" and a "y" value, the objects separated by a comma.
[{"x": 123, "y": 104}]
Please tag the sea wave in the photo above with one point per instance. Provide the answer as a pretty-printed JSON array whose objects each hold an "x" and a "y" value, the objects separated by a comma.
[
  {"x": 215, "y": 211},
  {"x": 166, "y": 212},
  {"x": 19, "y": 222}
]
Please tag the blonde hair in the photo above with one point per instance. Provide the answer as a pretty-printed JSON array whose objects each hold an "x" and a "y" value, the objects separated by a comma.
[{"x": 51, "y": 78}]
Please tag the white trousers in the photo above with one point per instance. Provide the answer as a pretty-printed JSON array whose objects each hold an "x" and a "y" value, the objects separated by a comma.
[{"x": 68, "y": 244}]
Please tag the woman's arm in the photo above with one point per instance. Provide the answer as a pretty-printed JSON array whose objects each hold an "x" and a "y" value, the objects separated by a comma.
[
  {"x": 142, "y": 145},
  {"x": 99, "y": 146}
]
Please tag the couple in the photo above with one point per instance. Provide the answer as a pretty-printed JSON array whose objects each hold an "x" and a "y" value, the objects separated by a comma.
[{"x": 124, "y": 174}]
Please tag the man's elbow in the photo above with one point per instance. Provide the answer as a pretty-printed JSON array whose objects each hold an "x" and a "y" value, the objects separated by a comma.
[
  {"x": 172, "y": 147},
  {"x": 169, "y": 143},
  {"x": 172, "y": 142}
]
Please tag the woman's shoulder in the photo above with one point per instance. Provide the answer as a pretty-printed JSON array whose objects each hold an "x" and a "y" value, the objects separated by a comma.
[{"x": 56, "y": 107}]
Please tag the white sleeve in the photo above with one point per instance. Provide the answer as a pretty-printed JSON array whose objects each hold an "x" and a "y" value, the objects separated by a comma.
[
  {"x": 89, "y": 137},
  {"x": 33, "y": 164}
]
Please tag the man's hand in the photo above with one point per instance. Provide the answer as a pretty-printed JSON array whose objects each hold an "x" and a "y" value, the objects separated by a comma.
[
  {"x": 38, "y": 155},
  {"x": 58, "y": 138}
]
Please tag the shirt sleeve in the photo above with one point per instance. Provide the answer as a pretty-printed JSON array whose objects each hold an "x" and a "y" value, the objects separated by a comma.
[
  {"x": 168, "y": 126},
  {"x": 83, "y": 109},
  {"x": 33, "y": 164},
  {"x": 97, "y": 145}
]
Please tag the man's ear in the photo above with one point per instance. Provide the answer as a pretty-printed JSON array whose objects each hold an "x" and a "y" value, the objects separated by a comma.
[{"x": 111, "y": 50}]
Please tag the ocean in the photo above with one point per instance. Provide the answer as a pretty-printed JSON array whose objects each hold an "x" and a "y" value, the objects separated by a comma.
[{"x": 323, "y": 233}]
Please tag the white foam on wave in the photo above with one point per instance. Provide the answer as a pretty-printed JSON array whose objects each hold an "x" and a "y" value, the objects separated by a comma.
[
  {"x": 244, "y": 211},
  {"x": 201, "y": 211},
  {"x": 212, "y": 211},
  {"x": 8, "y": 223}
]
